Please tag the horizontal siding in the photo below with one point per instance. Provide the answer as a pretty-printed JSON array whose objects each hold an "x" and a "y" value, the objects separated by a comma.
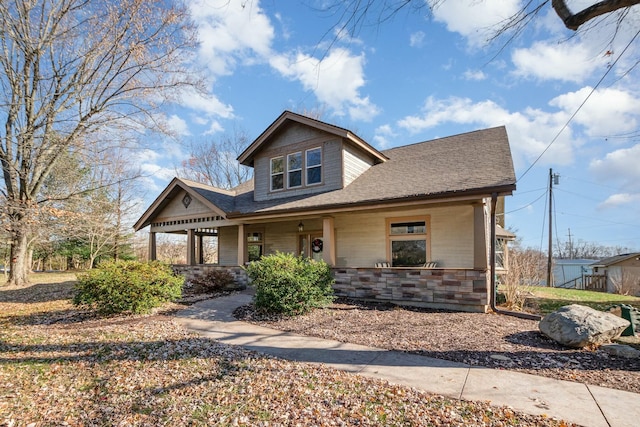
[
  {"x": 175, "y": 208},
  {"x": 362, "y": 238},
  {"x": 452, "y": 236},
  {"x": 331, "y": 168},
  {"x": 228, "y": 246},
  {"x": 354, "y": 164}
]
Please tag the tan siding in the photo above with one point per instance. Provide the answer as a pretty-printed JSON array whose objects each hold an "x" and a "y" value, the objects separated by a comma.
[
  {"x": 361, "y": 238},
  {"x": 452, "y": 236},
  {"x": 281, "y": 237},
  {"x": 354, "y": 164},
  {"x": 294, "y": 140},
  {"x": 228, "y": 245},
  {"x": 175, "y": 208}
]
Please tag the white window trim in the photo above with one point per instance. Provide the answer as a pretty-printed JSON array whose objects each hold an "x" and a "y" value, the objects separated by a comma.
[
  {"x": 272, "y": 174},
  {"x": 307, "y": 167},
  {"x": 295, "y": 170}
]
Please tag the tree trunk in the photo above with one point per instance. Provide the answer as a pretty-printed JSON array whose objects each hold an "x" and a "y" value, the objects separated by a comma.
[{"x": 19, "y": 273}]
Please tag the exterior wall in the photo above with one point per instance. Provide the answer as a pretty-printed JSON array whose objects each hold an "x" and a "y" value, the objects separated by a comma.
[
  {"x": 455, "y": 289},
  {"x": 625, "y": 274},
  {"x": 191, "y": 272},
  {"x": 176, "y": 210},
  {"x": 228, "y": 246},
  {"x": 293, "y": 139},
  {"x": 361, "y": 238},
  {"x": 354, "y": 164}
]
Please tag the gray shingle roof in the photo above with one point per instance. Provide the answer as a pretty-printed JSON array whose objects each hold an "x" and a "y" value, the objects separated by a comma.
[
  {"x": 615, "y": 259},
  {"x": 472, "y": 163}
]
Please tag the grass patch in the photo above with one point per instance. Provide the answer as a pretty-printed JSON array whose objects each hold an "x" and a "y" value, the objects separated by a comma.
[{"x": 547, "y": 300}]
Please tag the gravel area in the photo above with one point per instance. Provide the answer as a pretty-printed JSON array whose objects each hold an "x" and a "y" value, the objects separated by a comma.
[
  {"x": 491, "y": 340},
  {"x": 60, "y": 366}
]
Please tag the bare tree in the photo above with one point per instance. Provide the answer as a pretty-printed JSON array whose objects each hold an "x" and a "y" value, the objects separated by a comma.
[
  {"x": 68, "y": 70},
  {"x": 213, "y": 162},
  {"x": 625, "y": 282},
  {"x": 527, "y": 268},
  {"x": 354, "y": 14}
]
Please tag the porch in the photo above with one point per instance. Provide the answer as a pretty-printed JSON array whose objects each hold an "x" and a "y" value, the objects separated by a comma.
[{"x": 440, "y": 288}]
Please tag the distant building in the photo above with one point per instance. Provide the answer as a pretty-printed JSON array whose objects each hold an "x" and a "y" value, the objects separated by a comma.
[{"x": 569, "y": 273}]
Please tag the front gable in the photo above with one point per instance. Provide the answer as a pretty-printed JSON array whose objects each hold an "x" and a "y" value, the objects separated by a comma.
[
  {"x": 299, "y": 156},
  {"x": 181, "y": 203}
]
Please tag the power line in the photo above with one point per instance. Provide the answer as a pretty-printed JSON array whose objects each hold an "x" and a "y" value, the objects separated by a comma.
[{"x": 580, "y": 106}]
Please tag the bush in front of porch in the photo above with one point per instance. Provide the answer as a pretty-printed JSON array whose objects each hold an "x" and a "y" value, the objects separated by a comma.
[
  {"x": 290, "y": 285},
  {"x": 127, "y": 286}
]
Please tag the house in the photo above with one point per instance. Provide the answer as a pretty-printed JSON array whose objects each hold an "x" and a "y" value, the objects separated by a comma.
[
  {"x": 621, "y": 273},
  {"x": 571, "y": 273},
  {"x": 411, "y": 224}
]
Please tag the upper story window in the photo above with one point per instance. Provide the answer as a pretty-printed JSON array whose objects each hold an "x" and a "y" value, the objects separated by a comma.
[
  {"x": 314, "y": 166},
  {"x": 277, "y": 173},
  {"x": 294, "y": 169}
]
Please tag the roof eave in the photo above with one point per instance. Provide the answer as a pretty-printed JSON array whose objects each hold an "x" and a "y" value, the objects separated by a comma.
[
  {"x": 504, "y": 190},
  {"x": 246, "y": 157}
]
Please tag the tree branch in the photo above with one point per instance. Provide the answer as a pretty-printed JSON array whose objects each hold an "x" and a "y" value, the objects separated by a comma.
[{"x": 574, "y": 21}]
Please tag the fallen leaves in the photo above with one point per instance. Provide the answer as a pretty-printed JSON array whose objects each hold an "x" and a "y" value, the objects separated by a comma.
[
  {"x": 149, "y": 371},
  {"x": 495, "y": 341}
]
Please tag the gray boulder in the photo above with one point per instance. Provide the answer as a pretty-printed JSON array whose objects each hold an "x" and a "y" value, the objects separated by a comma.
[{"x": 578, "y": 326}]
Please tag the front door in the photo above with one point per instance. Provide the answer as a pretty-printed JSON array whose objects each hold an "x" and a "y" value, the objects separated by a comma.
[{"x": 310, "y": 246}]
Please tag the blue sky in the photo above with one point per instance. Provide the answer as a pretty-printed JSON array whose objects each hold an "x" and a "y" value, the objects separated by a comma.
[{"x": 421, "y": 76}]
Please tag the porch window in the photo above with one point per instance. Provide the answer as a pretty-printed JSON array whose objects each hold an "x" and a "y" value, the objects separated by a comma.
[
  {"x": 314, "y": 166},
  {"x": 277, "y": 173},
  {"x": 294, "y": 168},
  {"x": 501, "y": 261},
  {"x": 254, "y": 246},
  {"x": 408, "y": 241}
]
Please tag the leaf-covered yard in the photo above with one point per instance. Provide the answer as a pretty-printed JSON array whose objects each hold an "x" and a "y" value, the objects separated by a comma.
[{"x": 61, "y": 366}]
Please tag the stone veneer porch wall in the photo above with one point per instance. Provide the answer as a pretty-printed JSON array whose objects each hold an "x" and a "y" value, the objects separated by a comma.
[
  {"x": 191, "y": 272},
  {"x": 454, "y": 289}
]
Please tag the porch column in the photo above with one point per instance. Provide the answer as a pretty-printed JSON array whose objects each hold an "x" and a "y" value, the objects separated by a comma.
[
  {"x": 242, "y": 245},
  {"x": 480, "y": 239},
  {"x": 199, "y": 248},
  {"x": 328, "y": 241},
  {"x": 153, "y": 255},
  {"x": 191, "y": 247}
]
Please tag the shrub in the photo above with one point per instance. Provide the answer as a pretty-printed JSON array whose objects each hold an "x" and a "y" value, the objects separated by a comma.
[
  {"x": 127, "y": 286},
  {"x": 213, "y": 281},
  {"x": 290, "y": 285}
]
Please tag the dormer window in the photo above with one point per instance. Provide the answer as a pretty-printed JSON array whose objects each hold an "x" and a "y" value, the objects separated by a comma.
[
  {"x": 294, "y": 170},
  {"x": 277, "y": 173},
  {"x": 314, "y": 166}
]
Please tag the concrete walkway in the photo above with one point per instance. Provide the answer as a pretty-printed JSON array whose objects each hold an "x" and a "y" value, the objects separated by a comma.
[{"x": 579, "y": 403}]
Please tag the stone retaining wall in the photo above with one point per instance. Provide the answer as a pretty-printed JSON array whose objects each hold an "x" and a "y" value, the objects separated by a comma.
[
  {"x": 191, "y": 272},
  {"x": 454, "y": 289}
]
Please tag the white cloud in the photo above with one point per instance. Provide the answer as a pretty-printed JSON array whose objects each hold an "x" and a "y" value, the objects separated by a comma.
[
  {"x": 178, "y": 126},
  {"x": 530, "y": 131},
  {"x": 336, "y": 80},
  {"x": 619, "y": 165},
  {"x": 607, "y": 112},
  {"x": 476, "y": 75},
  {"x": 620, "y": 199},
  {"x": 382, "y": 135},
  {"x": 473, "y": 19},
  {"x": 206, "y": 106},
  {"x": 417, "y": 39},
  {"x": 568, "y": 61},
  {"x": 231, "y": 32}
]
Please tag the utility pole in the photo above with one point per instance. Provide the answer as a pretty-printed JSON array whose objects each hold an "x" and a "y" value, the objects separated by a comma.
[{"x": 553, "y": 178}]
